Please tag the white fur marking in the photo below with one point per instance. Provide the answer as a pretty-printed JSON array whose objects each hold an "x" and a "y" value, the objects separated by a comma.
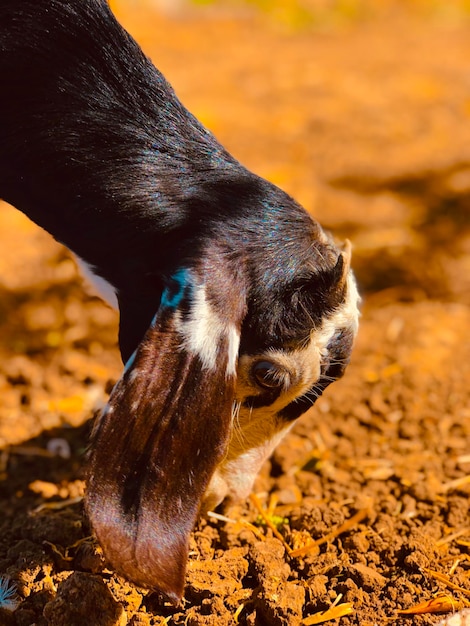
[
  {"x": 203, "y": 330},
  {"x": 347, "y": 316},
  {"x": 233, "y": 346},
  {"x": 105, "y": 290},
  {"x": 133, "y": 376}
]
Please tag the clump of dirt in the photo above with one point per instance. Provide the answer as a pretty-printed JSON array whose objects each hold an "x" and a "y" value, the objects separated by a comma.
[
  {"x": 363, "y": 510},
  {"x": 84, "y": 598}
]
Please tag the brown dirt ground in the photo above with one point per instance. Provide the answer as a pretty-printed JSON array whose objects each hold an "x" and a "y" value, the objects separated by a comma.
[{"x": 368, "y": 125}]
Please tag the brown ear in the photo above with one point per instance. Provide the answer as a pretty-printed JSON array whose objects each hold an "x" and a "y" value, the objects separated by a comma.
[{"x": 159, "y": 440}]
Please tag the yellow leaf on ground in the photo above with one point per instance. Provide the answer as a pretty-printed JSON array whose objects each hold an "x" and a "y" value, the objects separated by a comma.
[
  {"x": 334, "y": 612},
  {"x": 442, "y": 603}
]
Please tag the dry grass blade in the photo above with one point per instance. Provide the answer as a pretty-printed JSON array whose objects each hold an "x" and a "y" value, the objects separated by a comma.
[
  {"x": 348, "y": 524},
  {"x": 240, "y": 522},
  {"x": 444, "y": 579},
  {"x": 442, "y": 603},
  {"x": 31, "y": 451},
  {"x": 335, "y": 611},
  {"x": 236, "y": 615},
  {"x": 268, "y": 521},
  {"x": 455, "y": 484},
  {"x": 57, "y": 551},
  {"x": 66, "y": 554},
  {"x": 57, "y": 506},
  {"x": 450, "y": 538}
]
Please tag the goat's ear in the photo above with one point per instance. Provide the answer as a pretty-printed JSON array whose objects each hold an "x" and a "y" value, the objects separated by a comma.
[{"x": 162, "y": 435}]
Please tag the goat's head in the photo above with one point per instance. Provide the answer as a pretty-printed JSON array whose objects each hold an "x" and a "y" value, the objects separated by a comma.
[
  {"x": 248, "y": 334},
  {"x": 255, "y": 309}
]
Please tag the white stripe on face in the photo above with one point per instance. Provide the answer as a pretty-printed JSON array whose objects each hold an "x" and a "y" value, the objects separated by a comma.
[
  {"x": 203, "y": 331},
  {"x": 346, "y": 316},
  {"x": 233, "y": 346}
]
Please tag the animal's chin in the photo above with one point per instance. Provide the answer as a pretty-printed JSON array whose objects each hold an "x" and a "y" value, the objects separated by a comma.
[
  {"x": 229, "y": 488},
  {"x": 233, "y": 479}
]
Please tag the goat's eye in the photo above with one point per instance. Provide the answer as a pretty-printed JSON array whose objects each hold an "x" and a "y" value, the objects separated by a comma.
[{"x": 268, "y": 375}]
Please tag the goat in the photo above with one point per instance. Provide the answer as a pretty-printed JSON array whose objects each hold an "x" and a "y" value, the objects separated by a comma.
[{"x": 236, "y": 309}]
